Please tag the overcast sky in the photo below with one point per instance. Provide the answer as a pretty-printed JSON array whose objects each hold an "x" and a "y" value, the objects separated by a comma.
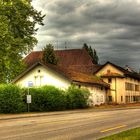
[{"x": 112, "y": 27}]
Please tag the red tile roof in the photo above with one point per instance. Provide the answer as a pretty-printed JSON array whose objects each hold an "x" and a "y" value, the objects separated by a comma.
[
  {"x": 74, "y": 59},
  {"x": 85, "y": 78},
  {"x": 75, "y": 64},
  {"x": 69, "y": 74}
]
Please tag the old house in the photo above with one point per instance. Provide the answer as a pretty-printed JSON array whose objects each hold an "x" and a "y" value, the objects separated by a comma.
[{"x": 74, "y": 67}]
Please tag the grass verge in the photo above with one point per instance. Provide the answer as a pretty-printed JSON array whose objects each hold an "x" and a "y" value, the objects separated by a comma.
[{"x": 133, "y": 134}]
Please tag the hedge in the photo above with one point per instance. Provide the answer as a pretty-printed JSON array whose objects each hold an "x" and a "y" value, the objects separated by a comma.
[
  {"x": 77, "y": 98},
  {"x": 11, "y": 99},
  {"x": 46, "y": 98}
]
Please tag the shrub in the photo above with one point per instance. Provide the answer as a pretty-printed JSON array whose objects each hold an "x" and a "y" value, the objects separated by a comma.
[
  {"x": 47, "y": 98},
  {"x": 77, "y": 98},
  {"x": 11, "y": 99}
]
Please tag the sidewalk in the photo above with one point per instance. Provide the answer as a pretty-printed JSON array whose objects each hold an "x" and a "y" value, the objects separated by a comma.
[{"x": 39, "y": 114}]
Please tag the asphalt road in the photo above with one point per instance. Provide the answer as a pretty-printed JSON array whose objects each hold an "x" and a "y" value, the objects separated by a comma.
[{"x": 84, "y": 125}]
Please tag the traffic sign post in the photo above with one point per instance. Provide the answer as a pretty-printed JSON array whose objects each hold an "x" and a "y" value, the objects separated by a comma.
[
  {"x": 29, "y": 97},
  {"x": 29, "y": 100}
]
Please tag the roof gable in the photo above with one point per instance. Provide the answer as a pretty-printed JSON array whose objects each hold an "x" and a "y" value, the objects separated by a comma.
[
  {"x": 121, "y": 71},
  {"x": 66, "y": 73},
  {"x": 108, "y": 68}
]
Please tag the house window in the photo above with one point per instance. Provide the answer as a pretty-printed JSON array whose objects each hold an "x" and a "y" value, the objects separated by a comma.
[
  {"x": 136, "y": 87},
  {"x": 108, "y": 71},
  {"x": 121, "y": 98},
  {"x": 110, "y": 98},
  {"x": 101, "y": 99},
  {"x": 109, "y": 80},
  {"x": 79, "y": 86},
  {"x": 97, "y": 98},
  {"x": 129, "y": 86},
  {"x": 38, "y": 71}
]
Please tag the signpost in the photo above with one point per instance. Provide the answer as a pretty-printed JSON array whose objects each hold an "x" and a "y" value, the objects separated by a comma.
[{"x": 29, "y": 97}]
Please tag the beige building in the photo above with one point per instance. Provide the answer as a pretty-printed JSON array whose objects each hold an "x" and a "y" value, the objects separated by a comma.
[{"x": 124, "y": 84}]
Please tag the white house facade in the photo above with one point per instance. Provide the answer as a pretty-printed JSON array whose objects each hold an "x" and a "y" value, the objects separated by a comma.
[{"x": 39, "y": 75}]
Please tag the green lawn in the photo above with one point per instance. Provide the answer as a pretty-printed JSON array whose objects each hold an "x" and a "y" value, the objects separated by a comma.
[{"x": 133, "y": 134}]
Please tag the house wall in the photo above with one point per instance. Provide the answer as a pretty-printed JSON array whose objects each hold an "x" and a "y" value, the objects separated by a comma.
[
  {"x": 48, "y": 77},
  {"x": 45, "y": 77},
  {"x": 118, "y": 90},
  {"x": 98, "y": 95}
]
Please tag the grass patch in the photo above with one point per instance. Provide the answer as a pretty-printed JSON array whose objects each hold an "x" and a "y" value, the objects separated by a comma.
[{"x": 133, "y": 134}]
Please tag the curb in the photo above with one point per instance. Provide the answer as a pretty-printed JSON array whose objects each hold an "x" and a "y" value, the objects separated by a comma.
[{"x": 69, "y": 112}]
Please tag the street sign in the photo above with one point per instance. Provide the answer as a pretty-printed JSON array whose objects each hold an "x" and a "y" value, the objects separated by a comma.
[
  {"x": 29, "y": 99},
  {"x": 30, "y": 83}
]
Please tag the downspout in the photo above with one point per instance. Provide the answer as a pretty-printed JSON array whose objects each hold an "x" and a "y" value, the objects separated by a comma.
[{"x": 115, "y": 90}]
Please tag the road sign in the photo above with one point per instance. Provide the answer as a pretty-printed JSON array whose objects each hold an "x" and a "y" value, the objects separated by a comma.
[
  {"x": 29, "y": 99},
  {"x": 30, "y": 83}
]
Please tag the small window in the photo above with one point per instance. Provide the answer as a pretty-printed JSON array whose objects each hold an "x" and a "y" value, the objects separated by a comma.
[
  {"x": 110, "y": 98},
  {"x": 108, "y": 71},
  {"x": 97, "y": 97},
  {"x": 79, "y": 86},
  {"x": 121, "y": 98},
  {"x": 101, "y": 99},
  {"x": 38, "y": 71},
  {"x": 109, "y": 80}
]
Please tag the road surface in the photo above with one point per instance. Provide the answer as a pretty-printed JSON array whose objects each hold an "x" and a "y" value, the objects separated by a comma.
[{"x": 83, "y": 125}]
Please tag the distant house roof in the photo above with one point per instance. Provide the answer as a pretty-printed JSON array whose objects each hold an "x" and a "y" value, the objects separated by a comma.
[
  {"x": 75, "y": 59},
  {"x": 69, "y": 74},
  {"x": 128, "y": 68},
  {"x": 126, "y": 72}
]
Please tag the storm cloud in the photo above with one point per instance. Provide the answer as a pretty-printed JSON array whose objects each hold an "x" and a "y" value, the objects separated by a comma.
[{"x": 112, "y": 27}]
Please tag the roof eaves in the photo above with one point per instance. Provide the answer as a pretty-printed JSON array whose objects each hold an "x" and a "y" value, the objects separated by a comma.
[
  {"x": 24, "y": 72},
  {"x": 89, "y": 83},
  {"x": 45, "y": 66}
]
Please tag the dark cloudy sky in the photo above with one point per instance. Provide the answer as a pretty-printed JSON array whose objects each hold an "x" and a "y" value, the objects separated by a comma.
[{"x": 112, "y": 27}]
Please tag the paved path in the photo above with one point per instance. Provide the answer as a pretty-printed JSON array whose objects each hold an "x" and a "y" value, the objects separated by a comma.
[{"x": 73, "y": 125}]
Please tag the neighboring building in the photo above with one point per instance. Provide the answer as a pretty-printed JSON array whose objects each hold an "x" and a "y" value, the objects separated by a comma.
[{"x": 124, "y": 84}]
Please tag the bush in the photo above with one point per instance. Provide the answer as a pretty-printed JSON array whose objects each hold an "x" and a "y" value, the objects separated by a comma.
[
  {"x": 77, "y": 98},
  {"x": 11, "y": 99},
  {"x": 47, "y": 98}
]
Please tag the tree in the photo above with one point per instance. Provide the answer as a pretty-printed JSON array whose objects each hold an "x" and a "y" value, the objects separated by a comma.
[
  {"x": 49, "y": 55},
  {"x": 17, "y": 29},
  {"x": 92, "y": 53},
  {"x": 95, "y": 56},
  {"x": 85, "y": 46}
]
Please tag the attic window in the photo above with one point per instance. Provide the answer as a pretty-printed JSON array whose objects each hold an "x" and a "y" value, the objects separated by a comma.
[
  {"x": 79, "y": 86},
  {"x": 38, "y": 71},
  {"x": 109, "y": 80},
  {"x": 108, "y": 71}
]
